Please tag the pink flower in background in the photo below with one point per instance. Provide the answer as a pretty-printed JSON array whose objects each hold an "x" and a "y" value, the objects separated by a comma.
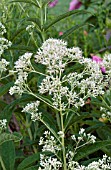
[
  {"x": 99, "y": 61},
  {"x": 60, "y": 33},
  {"x": 74, "y": 4},
  {"x": 103, "y": 69},
  {"x": 53, "y": 3}
]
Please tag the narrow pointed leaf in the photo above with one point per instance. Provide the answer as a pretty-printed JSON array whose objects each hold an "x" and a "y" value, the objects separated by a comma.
[
  {"x": 4, "y": 137},
  {"x": 22, "y": 47},
  {"x": 63, "y": 16},
  {"x": 45, "y": 2},
  {"x": 26, "y": 1},
  {"x": 71, "y": 30},
  {"x": 36, "y": 21},
  {"x": 4, "y": 88},
  {"x": 72, "y": 118},
  {"x": 27, "y": 162},
  {"x": 89, "y": 149},
  {"x": 7, "y": 153},
  {"x": 17, "y": 33}
]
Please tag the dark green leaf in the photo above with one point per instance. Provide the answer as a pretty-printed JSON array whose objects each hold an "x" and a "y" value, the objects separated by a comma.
[
  {"x": 36, "y": 21},
  {"x": 71, "y": 30},
  {"x": 22, "y": 47},
  {"x": 8, "y": 110},
  {"x": 5, "y": 88},
  {"x": 27, "y": 162},
  {"x": 89, "y": 149},
  {"x": 17, "y": 33},
  {"x": 7, "y": 153},
  {"x": 4, "y": 137},
  {"x": 63, "y": 16},
  {"x": 72, "y": 118}
]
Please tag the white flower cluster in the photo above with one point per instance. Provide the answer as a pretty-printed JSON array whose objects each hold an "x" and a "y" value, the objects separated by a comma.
[
  {"x": 3, "y": 124},
  {"x": 49, "y": 143},
  {"x": 32, "y": 108},
  {"x": 104, "y": 164},
  {"x": 22, "y": 67},
  {"x": 4, "y": 43},
  {"x": 88, "y": 138},
  {"x": 49, "y": 163},
  {"x": 107, "y": 63},
  {"x": 55, "y": 55},
  {"x": 30, "y": 28},
  {"x": 23, "y": 63},
  {"x": 107, "y": 113},
  {"x": 2, "y": 29},
  {"x": 3, "y": 65},
  {"x": 73, "y": 89}
]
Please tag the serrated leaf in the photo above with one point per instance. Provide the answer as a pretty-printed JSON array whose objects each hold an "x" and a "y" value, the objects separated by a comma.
[
  {"x": 89, "y": 149},
  {"x": 26, "y": 1},
  {"x": 71, "y": 30},
  {"x": 63, "y": 16},
  {"x": 5, "y": 88},
  {"x": 4, "y": 137}
]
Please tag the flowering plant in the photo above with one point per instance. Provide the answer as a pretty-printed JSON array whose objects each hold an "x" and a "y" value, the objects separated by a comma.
[{"x": 67, "y": 92}]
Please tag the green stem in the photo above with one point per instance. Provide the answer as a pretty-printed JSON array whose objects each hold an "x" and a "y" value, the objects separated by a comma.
[
  {"x": 43, "y": 100},
  {"x": 2, "y": 163},
  {"x": 30, "y": 134},
  {"x": 63, "y": 143},
  {"x": 42, "y": 21}
]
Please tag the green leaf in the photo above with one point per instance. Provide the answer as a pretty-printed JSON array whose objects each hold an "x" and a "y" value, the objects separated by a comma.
[
  {"x": 26, "y": 1},
  {"x": 71, "y": 30},
  {"x": 2, "y": 105},
  {"x": 36, "y": 21},
  {"x": 104, "y": 133},
  {"x": 8, "y": 110},
  {"x": 7, "y": 153},
  {"x": 63, "y": 16},
  {"x": 47, "y": 123},
  {"x": 72, "y": 118},
  {"x": 5, "y": 88},
  {"x": 32, "y": 168},
  {"x": 17, "y": 33},
  {"x": 27, "y": 162},
  {"x": 89, "y": 149},
  {"x": 22, "y": 47},
  {"x": 4, "y": 137},
  {"x": 45, "y": 2}
]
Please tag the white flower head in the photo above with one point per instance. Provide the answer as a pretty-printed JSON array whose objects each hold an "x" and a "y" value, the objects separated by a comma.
[{"x": 3, "y": 124}]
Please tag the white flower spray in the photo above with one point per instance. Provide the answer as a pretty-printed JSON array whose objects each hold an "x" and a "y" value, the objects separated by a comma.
[{"x": 65, "y": 89}]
